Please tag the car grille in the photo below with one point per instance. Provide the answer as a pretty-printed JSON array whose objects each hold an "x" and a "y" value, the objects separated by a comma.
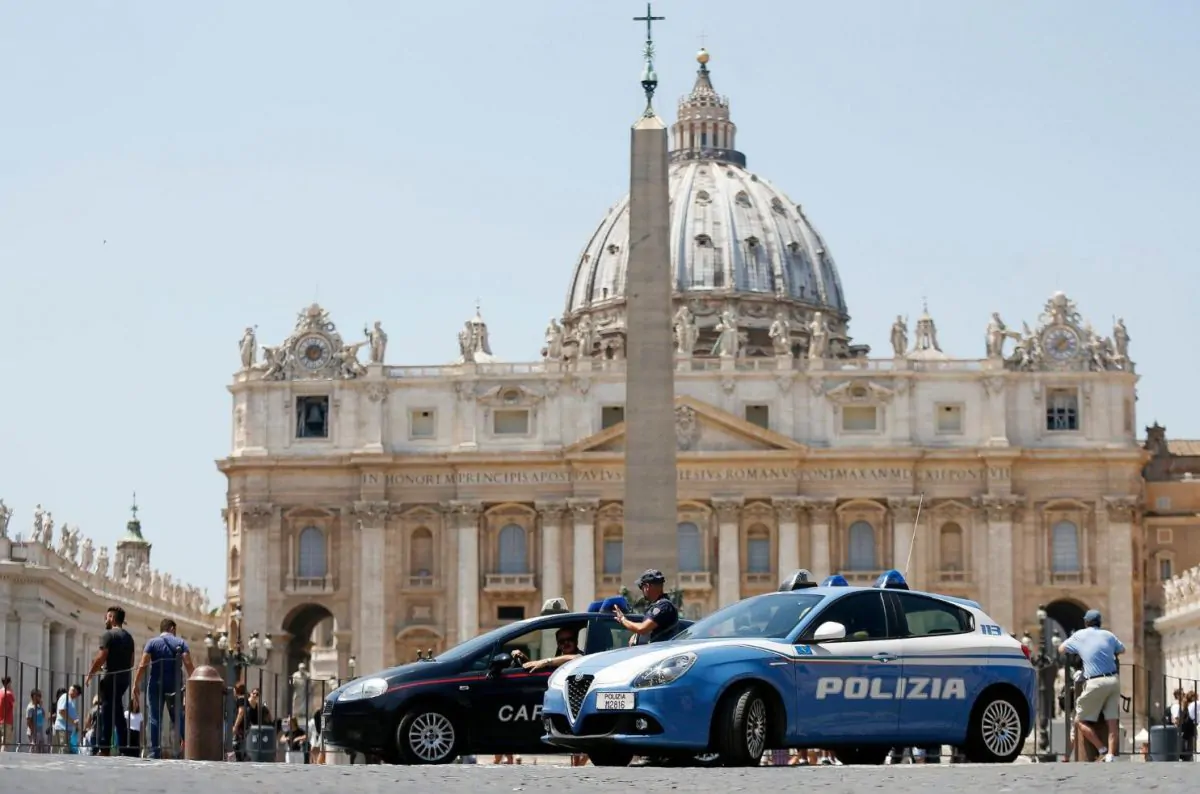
[
  {"x": 327, "y": 709},
  {"x": 577, "y": 689}
]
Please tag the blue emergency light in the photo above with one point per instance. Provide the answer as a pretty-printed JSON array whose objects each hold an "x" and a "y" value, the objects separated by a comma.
[
  {"x": 797, "y": 581},
  {"x": 837, "y": 580},
  {"x": 607, "y": 604},
  {"x": 891, "y": 580}
]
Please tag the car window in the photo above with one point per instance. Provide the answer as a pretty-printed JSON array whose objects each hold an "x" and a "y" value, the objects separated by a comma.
[
  {"x": 772, "y": 616},
  {"x": 605, "y": 635},
  {"x": 861, "y": 613},
  {"x": 927, "y": 617},
  {"x": 538, "y": 643}
]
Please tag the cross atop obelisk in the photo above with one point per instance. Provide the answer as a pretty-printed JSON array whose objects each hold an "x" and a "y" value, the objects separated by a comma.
[{"x": 649, "y": 76}]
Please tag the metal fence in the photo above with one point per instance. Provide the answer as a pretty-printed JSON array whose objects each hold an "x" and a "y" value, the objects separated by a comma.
[{"x": 267, "y": 717}]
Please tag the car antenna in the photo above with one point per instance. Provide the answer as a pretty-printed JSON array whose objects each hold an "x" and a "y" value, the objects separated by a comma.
[{"x": 913, "y": 541}]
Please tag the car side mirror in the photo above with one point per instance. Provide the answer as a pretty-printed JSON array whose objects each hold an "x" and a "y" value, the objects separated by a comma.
[
  {"x": 829, "y": 630},
  {"x": 499, "y": 662}
]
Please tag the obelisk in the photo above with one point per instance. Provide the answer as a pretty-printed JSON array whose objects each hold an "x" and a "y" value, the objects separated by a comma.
[{"x": 650, "y": 476}]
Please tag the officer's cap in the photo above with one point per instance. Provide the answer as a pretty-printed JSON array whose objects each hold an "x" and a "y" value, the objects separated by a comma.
[{"x": 651, "y": 576}]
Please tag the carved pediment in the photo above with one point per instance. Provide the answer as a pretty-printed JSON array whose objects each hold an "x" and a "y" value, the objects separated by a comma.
[
  {"x": 699, "y": 427},
  {"x": 509, "y": 396},
  {"x": 858, "y": 392}
]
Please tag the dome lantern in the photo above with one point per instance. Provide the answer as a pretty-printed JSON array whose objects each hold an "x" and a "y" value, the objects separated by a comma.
[{"x": 703, "y": 129}]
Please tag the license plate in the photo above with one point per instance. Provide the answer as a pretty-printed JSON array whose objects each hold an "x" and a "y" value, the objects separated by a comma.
[{"x": 614, "y": 701}]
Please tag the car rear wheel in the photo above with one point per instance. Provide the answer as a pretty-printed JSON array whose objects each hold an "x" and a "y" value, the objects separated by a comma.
[
  {"x": 997, "y": 730},
  {"x": 427, "y": 735},
  {"x": 743, "y": 725},
  {"x": 610, "y": 758}
]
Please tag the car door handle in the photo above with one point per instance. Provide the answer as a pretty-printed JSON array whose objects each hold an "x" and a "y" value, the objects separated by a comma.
[{"x": 885, "y": 657}]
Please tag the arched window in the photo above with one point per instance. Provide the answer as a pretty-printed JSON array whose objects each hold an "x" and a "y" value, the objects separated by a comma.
[
  {"x": 758, "y": 550},
  {"x": 420, "y": 561},
  {"x": 1064, "y": 548},
  {"x": 311, "y": 563},
  {"x": 614, "y": 550},
  {"x": 514, "y": 557},
  {"x": 860, "y": 547},
  {"x": 691, "y": 552},
  {"x": 950, "y": 547},
  {"x": 234, "y": 564}
]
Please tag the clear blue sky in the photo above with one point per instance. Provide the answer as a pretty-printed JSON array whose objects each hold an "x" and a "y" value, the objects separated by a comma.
[{"x": 400, "y": 159}]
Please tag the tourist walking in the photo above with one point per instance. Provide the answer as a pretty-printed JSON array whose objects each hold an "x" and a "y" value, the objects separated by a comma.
[{"x": 116, "y": 658}]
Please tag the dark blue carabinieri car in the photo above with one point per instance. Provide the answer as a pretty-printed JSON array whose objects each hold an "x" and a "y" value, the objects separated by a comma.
[{"x": 475, "y": 698}]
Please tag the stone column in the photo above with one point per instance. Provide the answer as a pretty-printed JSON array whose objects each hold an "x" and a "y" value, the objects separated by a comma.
[
  {"x": 551, "y": 577},
  {"x": 466, "y": 527},
  {"x": 375, "y": 409},
  {"x": 58, "y": 657},
  {"x": 904, "y": 510},
  {"x": 729, "y": 569},
  {"x": 584, "y": 567},
  {"x": 1001, "y": 567},
  {"x": 1120, "y": 617},
  {"x": 371, "y": 522},
  {"x": 30, "y": 628},
  {"x": 997, "y": 411},
  {"x": 650, "y": 442},
  {"x": 820, "y": 513},
  {"x": 256, "y": 520},
  {"x": 787, "y": 557}
]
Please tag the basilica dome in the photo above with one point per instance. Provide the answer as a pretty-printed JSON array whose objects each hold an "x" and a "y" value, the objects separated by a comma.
[{"x": 737, "y": 241}]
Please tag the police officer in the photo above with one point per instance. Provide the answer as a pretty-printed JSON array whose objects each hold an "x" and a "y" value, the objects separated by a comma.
[
  {"x": 1098, "y": 649},
  {"x": 661, "y": 617}
]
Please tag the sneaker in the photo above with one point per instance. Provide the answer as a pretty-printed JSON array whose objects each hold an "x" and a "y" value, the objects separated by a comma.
[{"x": 1109, "y": 758}]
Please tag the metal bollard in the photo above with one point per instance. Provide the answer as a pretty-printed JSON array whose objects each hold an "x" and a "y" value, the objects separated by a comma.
[{"x": 205, "y": 708}]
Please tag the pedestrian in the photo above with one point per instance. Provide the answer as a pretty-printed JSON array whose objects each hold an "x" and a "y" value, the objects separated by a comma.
[
  {"x": 1098, "y": 649},
  {"x": 662, "y": 618},
  {"x": 8, "y": 707},
  {"x": 66, "y": 718},
  {"x": 35, "y": 723},
  {"x": 134, "y": 717},
  {"x": 163, "y": 656},
  {"x": 116, "y": 658},
  {"x": 1183, "y": 716}
]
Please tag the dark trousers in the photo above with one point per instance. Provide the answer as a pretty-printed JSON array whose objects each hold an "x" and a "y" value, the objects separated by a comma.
[
  {"x": 156, "y": 699},
  {"x": 112, "y": 714}
]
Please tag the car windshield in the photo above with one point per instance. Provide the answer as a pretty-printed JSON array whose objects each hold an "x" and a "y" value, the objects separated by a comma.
[
  {"x": 772, "y": 616},
  {"x": 482, "y": 642}
]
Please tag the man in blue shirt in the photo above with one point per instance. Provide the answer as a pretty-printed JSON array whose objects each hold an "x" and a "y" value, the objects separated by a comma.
[
  {"x": 1098, "y": 649},
  {"x": 164, "y": 655}
]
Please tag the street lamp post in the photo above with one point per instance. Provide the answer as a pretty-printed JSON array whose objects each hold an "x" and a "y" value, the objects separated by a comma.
[
  {"x": 352, "y": 663},
  {"x": 1046, "y": 663},
  {"x": 231, "y": 657}
]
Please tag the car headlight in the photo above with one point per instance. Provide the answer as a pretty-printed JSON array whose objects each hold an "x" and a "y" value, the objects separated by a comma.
[
  {"x": 363, "y": 690},
  {"x": 666, "y": 671}
]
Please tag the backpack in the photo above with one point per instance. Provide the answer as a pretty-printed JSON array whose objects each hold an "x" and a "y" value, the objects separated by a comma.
[{"x": 1187, "y": 725}]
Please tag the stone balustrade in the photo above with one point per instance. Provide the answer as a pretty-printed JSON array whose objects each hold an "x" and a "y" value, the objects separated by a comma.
[{"x": 150, "y": 590}]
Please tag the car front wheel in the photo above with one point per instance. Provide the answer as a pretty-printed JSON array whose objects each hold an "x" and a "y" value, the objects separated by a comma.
[
  {"x": 427, "y": 735},
  {"x": 742, "y": 728},
  {"x": 997, "y": 731}
]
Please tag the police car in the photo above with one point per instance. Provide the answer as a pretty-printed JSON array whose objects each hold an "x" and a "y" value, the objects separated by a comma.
[
  {"x": 856, "y": 670},
  {"x": 474, "y": 698}
]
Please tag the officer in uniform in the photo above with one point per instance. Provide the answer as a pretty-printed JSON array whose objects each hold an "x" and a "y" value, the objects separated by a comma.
[{"x": 661, "y": 617}]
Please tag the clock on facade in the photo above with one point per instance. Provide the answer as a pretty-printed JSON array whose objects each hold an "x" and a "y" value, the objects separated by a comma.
[
  {"x": 313, "y": 352},
  {"x": 1060, "y": 342}
]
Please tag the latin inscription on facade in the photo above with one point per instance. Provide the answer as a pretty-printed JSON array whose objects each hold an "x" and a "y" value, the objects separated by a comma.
[{"x": 748, "y": 474}]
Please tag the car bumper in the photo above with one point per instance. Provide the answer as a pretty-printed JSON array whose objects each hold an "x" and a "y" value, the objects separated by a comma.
[
  {"x": 357, "y": 726},
  {"x": 666, "y": 718}
]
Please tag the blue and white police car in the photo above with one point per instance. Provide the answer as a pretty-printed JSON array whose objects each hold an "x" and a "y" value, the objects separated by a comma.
[{"x": 855, "y": 670}]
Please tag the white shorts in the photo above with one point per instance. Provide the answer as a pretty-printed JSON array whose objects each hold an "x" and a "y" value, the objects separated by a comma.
[{"x": 1099, "y": 696}]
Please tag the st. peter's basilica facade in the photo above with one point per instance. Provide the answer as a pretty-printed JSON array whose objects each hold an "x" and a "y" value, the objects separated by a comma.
[{"x": 407, "y": 508}]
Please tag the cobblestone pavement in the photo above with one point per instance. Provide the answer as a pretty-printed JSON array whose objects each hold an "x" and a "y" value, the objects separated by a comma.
[{"x": 76, "y": 775}]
